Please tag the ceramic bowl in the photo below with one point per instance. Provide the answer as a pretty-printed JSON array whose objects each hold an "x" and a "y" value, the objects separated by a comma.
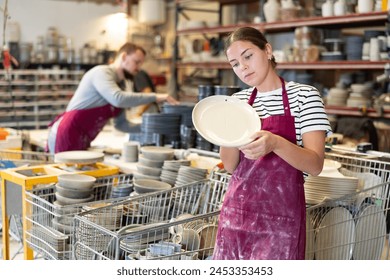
[
  {"x": 76, "y": 181},
  {"x": 147, "y": 185},
  {"x": 68, "y": 201},
  {"x": 73, "y": 193},
  {"x": 148, "y": 170},
  {"x": 157, "y": 153},
  {"x": 149, "y": 162}
]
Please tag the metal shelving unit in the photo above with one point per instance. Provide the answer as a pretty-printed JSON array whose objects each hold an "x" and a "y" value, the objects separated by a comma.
[{"x": 30, "y": 99}]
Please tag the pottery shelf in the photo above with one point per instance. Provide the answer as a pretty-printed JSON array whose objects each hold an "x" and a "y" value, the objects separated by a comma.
[
  {"x": 319, "y": 65},
  {"x": 333, "y": 22},
  {"x": 357, "y": 112}
]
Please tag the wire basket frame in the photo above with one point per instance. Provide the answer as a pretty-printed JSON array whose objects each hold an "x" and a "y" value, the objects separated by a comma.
[
  {"x": 353, "y": 227},
  {"x": 180, "y": 223},
  {"x": 50, "y": 225},
  {"x": 10, "y": 158},
  {"x": 356, "y": 225}
]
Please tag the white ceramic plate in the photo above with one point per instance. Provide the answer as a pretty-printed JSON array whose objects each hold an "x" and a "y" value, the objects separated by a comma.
[
  {"x": 335, "y": 235},
  {"x": 225, "y": 120},
  {"x": 78, "y": 157},
  {"x": 370, "y": 233}
]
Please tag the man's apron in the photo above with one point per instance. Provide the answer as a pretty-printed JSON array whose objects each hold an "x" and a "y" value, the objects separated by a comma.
[
  {"x": 263, "y": 215},
  {"x": 78, "y": 128}
]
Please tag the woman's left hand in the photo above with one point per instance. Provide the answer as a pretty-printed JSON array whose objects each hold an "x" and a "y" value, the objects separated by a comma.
[{"x": 264, "y": 143}]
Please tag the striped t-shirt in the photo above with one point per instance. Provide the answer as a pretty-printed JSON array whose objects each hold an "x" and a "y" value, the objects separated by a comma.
[{"x": 306, "y": 106}]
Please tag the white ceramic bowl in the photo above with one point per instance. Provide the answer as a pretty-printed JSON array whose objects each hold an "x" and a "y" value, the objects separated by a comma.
[
  {"x": 158, "y": 153},
  {"x": 73, "y": 193},
  {"x": 147, "y": 185},
  {"x": 146, "y": 170},
  {"x": 68, "y": 201},
  {"x": 76, "y": 181},
  {"x": 149, "y": 162}
]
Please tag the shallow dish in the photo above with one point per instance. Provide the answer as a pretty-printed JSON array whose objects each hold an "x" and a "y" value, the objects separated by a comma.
[
  {"x": 68, "y": 201},
  {"x": 225, "y": 120},
  {"x": 73, "y": 193},
  {"x": 78, "y": 157},
  {"x": 76, "y": 181},
  {"x": 147, "y": 185},
  {"x": 158, "y": 153}
]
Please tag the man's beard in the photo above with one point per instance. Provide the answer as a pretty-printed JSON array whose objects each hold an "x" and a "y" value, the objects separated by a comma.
[{"x": 128, "y": 75}]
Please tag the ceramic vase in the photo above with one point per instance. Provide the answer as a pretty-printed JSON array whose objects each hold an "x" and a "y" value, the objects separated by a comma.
[
  {"x": 327, "y": 8},
  {"x": 339, "y": 8},
  {"x": 365, "y": 6},
  {"x": 271, "y": 10}
]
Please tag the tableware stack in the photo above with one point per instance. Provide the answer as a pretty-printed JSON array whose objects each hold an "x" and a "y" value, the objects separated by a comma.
[
  {"x": 184, "y": 109},
  {"x": 74, "y": 189},
  {"x": 121, "y": 190},
  {"x": 337, "y": 97},
  {"x": 165, "y": 126},
  {"x": 360, "y": 96},
  {"x": 151, "y": 161},
  {"x": 329, "y": 184},
  {"x": 170, "y": 170},
  {"x": 188, "y": 174},
  {"x": 130, "y": 151}
]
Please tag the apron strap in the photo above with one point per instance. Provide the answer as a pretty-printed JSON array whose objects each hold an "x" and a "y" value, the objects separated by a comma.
[{"x": 286, "y": 105}]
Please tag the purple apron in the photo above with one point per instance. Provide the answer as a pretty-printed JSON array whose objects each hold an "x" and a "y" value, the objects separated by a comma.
[
  {"x": 78, "y": 128},
  {"x": 263, "y": 215}
]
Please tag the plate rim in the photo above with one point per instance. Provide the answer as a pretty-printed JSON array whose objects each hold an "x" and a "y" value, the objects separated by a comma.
[{"x": 212, "y": 99}]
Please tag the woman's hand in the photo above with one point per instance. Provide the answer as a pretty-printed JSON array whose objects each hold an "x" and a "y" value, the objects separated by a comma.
[{"x": 264, "y": 143}]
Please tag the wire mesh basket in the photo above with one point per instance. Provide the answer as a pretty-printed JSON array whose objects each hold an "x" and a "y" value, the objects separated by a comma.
[
  {"x": 50, "y": 225},
  {"x": 179, "y": 223},
  {"x": 353, "y": 227}
]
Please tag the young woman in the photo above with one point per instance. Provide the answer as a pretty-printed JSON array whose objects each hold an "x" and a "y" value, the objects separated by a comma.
[
  {"x": 103, "y": 93},
  {"x": 263, "y": 213}
]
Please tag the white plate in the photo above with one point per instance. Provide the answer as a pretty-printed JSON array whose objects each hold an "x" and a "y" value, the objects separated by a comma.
[
  {"x": 335, "y": 235},
  {"x": 225, "y": 120},
  {"x": 78, "y": 157},
  {"x": 370, "y": 233}
]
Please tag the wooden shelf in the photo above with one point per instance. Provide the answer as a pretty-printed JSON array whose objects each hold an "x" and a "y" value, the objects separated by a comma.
[
  {"x": 223, "y": 2},
  {"x": 356, "y": 112},
  {"x": 334, "y": 22},
  {"x": 319, "y": 65}
]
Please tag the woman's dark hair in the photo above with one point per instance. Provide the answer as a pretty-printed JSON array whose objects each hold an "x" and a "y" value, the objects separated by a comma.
[
  {"x": 130, "y": 48},
  {"x": 249, "y": 34}
]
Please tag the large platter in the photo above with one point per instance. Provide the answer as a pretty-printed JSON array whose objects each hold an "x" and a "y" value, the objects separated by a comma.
[
  {"x": 78, "y": 157},
  {"x": 225, "y": 120}
]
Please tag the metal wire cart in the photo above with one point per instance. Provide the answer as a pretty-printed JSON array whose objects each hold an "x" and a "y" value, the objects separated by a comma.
[
  {"x": 179, "y": 223},
  {"x": 50, "y": 225},
  {"x": 10, "y": 158},
  {"x": 354, "y": 226}
]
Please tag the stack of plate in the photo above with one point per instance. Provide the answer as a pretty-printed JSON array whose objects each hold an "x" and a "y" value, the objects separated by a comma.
[
  {"x": 121, "y": 190},
  {"x": 147, "y": 172},
  {"x": 74, "y": 189},
  {"x": 142, "y": 186},
  {"x": 133, "y": 241},
  {"x": 360, "y": 95},
  {"x": 184, "y": 109},
  {"x": 330, "y": 184},
  {"x": 188, "y": 174},
  {"x": 166, "y": 125},
  {"x": 170, "y": 170},
  {"x": 337, "y": 96},
  {"x": 319, "y": 188}
]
